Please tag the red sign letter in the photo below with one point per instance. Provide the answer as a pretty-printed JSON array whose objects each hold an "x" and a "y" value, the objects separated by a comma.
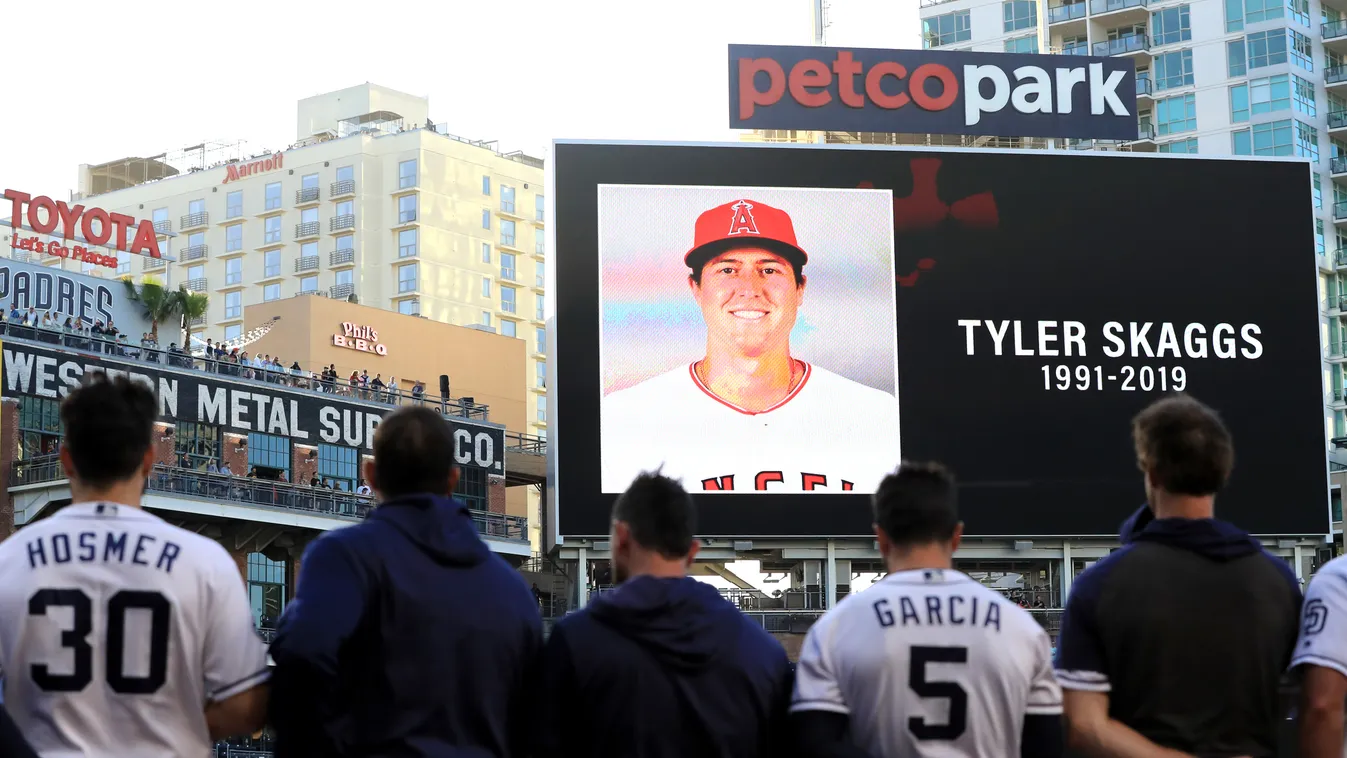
[
  {"x": 847, "y": 68},
  {"x": 721, "y": 484},
  {"x": 749, "y": 95},
  {"x": 917, "y": 86},
  {"x": 766, "y": 477},
  {"x": 809, "y": 482},
  {"x": 876, "y": 92},
  {"x": 806, "y": 74}
]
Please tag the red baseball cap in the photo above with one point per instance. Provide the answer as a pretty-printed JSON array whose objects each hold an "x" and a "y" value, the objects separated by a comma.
[{"x": 744, "y": 223}]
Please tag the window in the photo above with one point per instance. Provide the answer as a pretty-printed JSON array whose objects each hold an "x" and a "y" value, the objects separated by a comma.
[
  {"x": 346, "y": 173},
  {"x": 407, "y": 243},
  {"x": 486, "y": 318},
  {"x": 539, "y": 276},
  {"x": 507, "y": 269},
  {"x": 1270, "y": 94},
  {"x": 1335, "y": 501},
  {"x": 273, "y": 230},
  {"x": 196, "y": 239},
  {"x": 409, "y": 307},
  {"x": 486, "y": 218},
  {"x": 1303, "y": 92},
  {"x": 508, "y": 328},
  {"x": 123, "y": 263},
  {"x": 196, "y": 206},
  {"x": 271, "y": 262},
  {"x": 539, "y": 241},
  {"x": 1182, "y": 146},
  {"x": 1302, "y": 51},
  {"x": 160, "y": 216},
  {"x": 346, "y": 242},
  {"x": 407, "y": 278},
  {"x": 1267, "y": 48},
  {"x": 486, "y": 186},
  {"x": 1257, "y": 11},
  {"x": 1234, "y": 15},
  {"x": 1173, "y": 69},
  {"x": 1176, "y": 114},
  {"x": 1022, "y": 44},
  {"x": 308, "y": 216},
  {"x": 308, "y": 250},
  {"x": 1307, "y": 141},
  {"x": 507, "y": 233},
  {"x": 1317, "y": 189},
  {"x": 273, "y": 196},
  {"x": 268, "y": 451},
  {"x": 346, "y": 208},
  {"x": 949, "y": 29},
  {"x": 234, "y": 271},
  {"x": 234, "y": 204},
  {"x": 407, "y": 174},
  {"x": 39, "y": 427},
  {"x": 540, "y": 373},
  {"x": 507, "y": 299},
  {"x": 196, "y": 445},
  {"x": 1320, "y": 246},
  {"x": 538, "y": 206},
  {"x": 506, "y": 199},
  {"x": 1170, "y": 25},
  {"x": 542, "y": 409},
  {"x": 345, "y": 276},
  {"x": 486, "y": 286},
  {"x": 1236, "y": 64},
  {"x": 1019, "y": 14},
  {"x": 1273, "y": 138},
  {"x": 233, "y": 238},
  {"x": 266, "y": 588},
  {"x": 472, "y": 488},
  {"x": 538, "y": 308},
  {"x": 539, "y": 340},
  {"x": 308, "y": 181},
  {"x": 195, "y": 272},
  {"x": 233, "y": 332},
  {"x": 271, "y": 292},
  {"x": 1300, "y": 11},
  {"x": 406, "y": 209},
  {"x": 308, "y": 284},
  {"x": 233, "y": 305},
  {"x": 340, "y": 464}
]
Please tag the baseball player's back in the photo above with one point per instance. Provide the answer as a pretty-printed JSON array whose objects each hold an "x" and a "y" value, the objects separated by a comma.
[
  {"x": 117, "y": 629},
  {"x": 928, "y": 662},
  {"x": 829, "y": 434}
]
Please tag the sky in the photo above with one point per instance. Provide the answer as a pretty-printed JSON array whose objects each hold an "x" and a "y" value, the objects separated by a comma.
[{"x": 140, "y": 78}]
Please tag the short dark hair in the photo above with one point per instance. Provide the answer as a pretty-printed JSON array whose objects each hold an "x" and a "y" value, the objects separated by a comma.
[
  {"x": 698, "y": 261},
  {"x": 659, "y": 513},
  {"x": 413, "y": 453},
  {"x": 109, "y": 426},
  {"x": 917, "y": 504},
  {"x": 1184, "y": 446}
]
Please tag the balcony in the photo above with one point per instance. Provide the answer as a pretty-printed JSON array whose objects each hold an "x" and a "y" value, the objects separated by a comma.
[
  {"x": 1131, "y": 44},
  {"x": 1340, "y": 259},
  {"x": 1337, "y": 121},
  {"x": 1336, "y": 350},
  {"x": 306, "y": 230},
  {"x": 1145, "y": 87},
  {"x": 199, "y": 320},
  {"x": 1145, "y": 133},
  {"x": 341, "y": 223},
  {"x": 195, "y": 252},
  {"x": 1061, "y": 14},
  {"x": 1337, "y": 167},
  {"x": 1335, "y": 77},
  {"x": 307, "y": 196},
  {"x": 307, "y": 263},
  {"x": 341, "y": 291},
  {"x": 345, "y": 257},
  {"x": 1334, "y": 34},
  {"x": 152, "y": 264},
  {"x": 344, "y": 188},
  {"x": 163, "y": 227},
  {"x": 1119, "y": 12},
  {"x": 1340, "y": 213},
  {"x": 193, "y": 221},
  {"x": 306, "y": 293},
  {"x": 198, "y": 284}
]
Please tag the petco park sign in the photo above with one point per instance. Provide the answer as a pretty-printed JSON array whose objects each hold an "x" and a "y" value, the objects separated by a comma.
[{"x": 930, "y": 91}]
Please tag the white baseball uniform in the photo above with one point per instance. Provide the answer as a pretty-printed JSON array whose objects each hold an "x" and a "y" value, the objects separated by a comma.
[
  {"x": 928, "y": 663},
  {"x": 1323, "y": 620},
  {"x": 116, "y": 629},
  {"x": 830, "y": 435}
]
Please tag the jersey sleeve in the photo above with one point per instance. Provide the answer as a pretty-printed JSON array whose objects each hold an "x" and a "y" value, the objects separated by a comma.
[
  {"x": 1045, "y": 694},
  {"x": 1080, "y": 651},
  {"x": 235, "y": 658},
  {"x": 816, "y": 684},
  {"x": 1323, "y": 623}
]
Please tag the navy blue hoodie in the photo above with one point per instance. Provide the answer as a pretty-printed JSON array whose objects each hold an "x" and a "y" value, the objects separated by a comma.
[
  {"x": 1189, "y": 628},
  {"x": 407, "y": 636},
  {"x": 662, "y": 668}
]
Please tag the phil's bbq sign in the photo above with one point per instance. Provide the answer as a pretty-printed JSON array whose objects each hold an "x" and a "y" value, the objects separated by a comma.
[
  {"x": 931, "y": 91},
  {"x": 76, "y": 223}
]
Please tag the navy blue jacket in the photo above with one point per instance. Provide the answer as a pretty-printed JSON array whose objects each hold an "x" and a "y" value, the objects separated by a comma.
[
  {"x": 407, "y": 636},
  {"x": 663, "y": 668},
  {"x": 1189, "y": 628}
]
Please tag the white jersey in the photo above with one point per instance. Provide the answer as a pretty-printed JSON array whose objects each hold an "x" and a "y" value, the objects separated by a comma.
[
  {"x": 116, "y": 630},
  {"x": 830, "y": 435},
  {"x": 928, "y": 663}
]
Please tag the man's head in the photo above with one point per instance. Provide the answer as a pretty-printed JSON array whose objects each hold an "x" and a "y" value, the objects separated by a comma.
[
  {"x": 746, "y": 274},
  {"x": 1183, "y": 449},
  {"x": 109, "y": 428},
  {"x": 413, "y": 455},
  {"x": 916, "y": 507},
  {"x": 652, "y": 528}
]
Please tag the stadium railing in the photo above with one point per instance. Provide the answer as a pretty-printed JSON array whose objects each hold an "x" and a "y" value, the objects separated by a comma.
[
  {"x": 133, "y": 353},
  {"x": 261, "y": 492}
]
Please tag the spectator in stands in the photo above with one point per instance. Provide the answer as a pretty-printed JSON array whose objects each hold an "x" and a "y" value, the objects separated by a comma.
[
  {"x": 362, "y": 489},
  {"x": 377, "y": 387},
  {"x": 664, "y": 665},
  {"x": 15, "y": 315},
  {"x": 1177, "y": 642},
  {"x": 314, "y": 481},
  {"x": 418, "y": 391},
  {"x": 394, "y": 390},
  {"x": 407, "y": 635}
]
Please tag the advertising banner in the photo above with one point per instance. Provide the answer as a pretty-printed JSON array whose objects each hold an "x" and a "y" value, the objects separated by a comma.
[
  {"x": 780, "y": 326},
  {"x": 236, "y": 406},
  {"x": 934, "y": 91},
  {"x": 48, "y": 290}
]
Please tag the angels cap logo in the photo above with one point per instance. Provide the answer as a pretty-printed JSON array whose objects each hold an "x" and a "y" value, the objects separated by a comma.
[{"x": 742, "y": 221}]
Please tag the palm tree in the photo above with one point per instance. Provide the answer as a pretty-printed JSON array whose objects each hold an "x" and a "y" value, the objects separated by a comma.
[
  {"x": 192, "y": 306},
  {"x": 162, "y": 304}
]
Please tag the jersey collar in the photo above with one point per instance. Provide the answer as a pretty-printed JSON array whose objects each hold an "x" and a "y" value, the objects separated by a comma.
[
  {"x": 95, "y": 510},
  {"x": 927, "y": 576}
]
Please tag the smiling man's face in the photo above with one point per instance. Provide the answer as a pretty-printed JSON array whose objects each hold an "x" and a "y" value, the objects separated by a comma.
[{"x": 749, "y": 299}]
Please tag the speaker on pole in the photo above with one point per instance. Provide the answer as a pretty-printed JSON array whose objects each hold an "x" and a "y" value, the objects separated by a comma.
[{"x": 444, "y": 386}]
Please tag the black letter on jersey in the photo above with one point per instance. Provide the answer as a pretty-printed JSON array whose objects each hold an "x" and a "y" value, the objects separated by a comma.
[
  {"x": 933, "y": 610},
  {"x": 909, "y": 610},
  {"x": 957, "y": 620},
  {"x": 88, "y": 546},
  {"x": 159, "y": 609},
  {"x": 60, "y": 548},
  {"x": 883, "y": 613},
  {"x": 73, "y": 638},
  {"x": 993, "y": 617},
  {"x": 954, "y": 727}
]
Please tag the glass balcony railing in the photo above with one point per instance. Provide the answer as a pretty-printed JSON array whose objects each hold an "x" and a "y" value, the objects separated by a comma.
[
  {"x": 1070, "y": 12},
  {"x": 1334, "y": 29},
  {"x": 1111, "y": 6},
  {"x": 1134, "y": 43}
]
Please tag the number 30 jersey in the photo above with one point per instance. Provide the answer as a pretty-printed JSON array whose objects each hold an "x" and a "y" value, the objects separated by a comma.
[
  {"x": 116, "y": 630},
  {"x": 929, "y": 663}
]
